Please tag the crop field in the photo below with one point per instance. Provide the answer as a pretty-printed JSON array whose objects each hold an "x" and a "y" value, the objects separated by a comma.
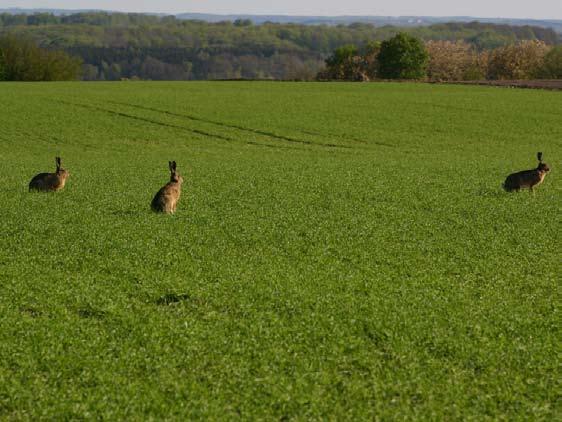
[{"x": 340, "y": 251}]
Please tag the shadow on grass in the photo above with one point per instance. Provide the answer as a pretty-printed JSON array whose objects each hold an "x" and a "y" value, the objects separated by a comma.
[
  {"x": 89, "y": 312},
  {"x": 491, "y": 192},
  {"x": 31, "y": 311},
  {"x": 172, "y": 298}
]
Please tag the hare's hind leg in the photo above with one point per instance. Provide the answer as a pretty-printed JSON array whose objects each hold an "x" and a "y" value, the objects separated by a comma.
[{"x": 169, "y": 207}]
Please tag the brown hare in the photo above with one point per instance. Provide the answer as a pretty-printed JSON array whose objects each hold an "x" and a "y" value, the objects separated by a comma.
[
  {"x": 50, "y": 182},
  {"x": 166, "y": 199},
  {"x": 527, "y": 178}
]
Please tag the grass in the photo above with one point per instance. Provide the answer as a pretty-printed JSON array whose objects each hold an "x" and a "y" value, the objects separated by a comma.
[{"x": 340, "y": 251}]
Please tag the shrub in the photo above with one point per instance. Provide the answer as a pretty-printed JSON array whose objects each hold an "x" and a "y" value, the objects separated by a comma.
[
  {"x": 402, "y": 57},
  {"x": 552, "y": 65}
]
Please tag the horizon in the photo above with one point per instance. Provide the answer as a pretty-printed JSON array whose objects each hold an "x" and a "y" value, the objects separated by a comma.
[
  {"x": 478, "y": 9},
  {"x": 278, "y": 14}
]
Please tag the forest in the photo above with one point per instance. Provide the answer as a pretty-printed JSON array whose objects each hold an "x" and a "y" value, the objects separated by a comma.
[{"x": 115, "y": 46}]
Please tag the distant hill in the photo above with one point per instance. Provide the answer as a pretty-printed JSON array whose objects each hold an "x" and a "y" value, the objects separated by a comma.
[
  {"x": 56, "y": 12},
  {"x": 402, "y": 21}
]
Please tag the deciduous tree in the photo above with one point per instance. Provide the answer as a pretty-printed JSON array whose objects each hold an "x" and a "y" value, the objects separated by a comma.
[
  {"x": 552, "y": 65},
  {"x": 402, "y": 57},
  {"x": 344, "y": 64},
  {"x": 453, "y": 61},
  {"x": 522, "y": 60}
]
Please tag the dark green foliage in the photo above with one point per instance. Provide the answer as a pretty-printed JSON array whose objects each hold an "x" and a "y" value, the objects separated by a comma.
[
  {"x": 242, "y": 22},
  {"x": 22, "y": 60},
  {"x": 2, "y": 67},
  {"x": 552, "y": 66},
  {"x": 402, "y": 57},
  {"x": 344, "y": 64},
  {"x": 348, "y": 63}
]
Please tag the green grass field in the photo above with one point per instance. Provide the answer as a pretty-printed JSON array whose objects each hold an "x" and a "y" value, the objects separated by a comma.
[{"x": 340, "y": 251}]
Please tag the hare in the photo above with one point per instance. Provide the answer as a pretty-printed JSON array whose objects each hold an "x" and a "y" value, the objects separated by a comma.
[
  {"x": 527, "y": 178},
  {"x": 166, "y": 199},
  {"x": 50, "y": 182}
]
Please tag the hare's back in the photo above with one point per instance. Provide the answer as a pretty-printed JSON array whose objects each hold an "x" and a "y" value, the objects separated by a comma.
[
  {"x": 165, "y": 198},
  {"x": 42, "y": 181},
  {"x": 522, "y": 179}
]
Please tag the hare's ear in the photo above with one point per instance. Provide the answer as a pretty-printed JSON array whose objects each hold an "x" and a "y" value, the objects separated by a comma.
[
  {"x": 174, "y": 165},
  {"x": 539, "y": 157},
  {"x": 57, "y": 160},
  {"x": 170, "y": 166}
]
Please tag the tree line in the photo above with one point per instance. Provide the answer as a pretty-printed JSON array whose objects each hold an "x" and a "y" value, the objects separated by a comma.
[
  {"x": 23, "y": 60},
  {"x": 406, "y": 57},
  {"x": 114, "y": 46}
]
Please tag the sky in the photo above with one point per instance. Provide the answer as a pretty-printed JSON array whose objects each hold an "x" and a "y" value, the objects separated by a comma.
[{"x": 536, "y": 9}]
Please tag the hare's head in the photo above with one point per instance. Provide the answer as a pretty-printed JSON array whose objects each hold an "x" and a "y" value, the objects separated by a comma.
[
  {"x": 62, "y": 173},
  {"x": 542, "y": 167},
  {"x": 174, "y": 175}
]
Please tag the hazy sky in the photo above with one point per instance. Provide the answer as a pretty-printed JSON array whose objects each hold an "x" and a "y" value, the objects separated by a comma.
[{"x": 540, "y": 9}]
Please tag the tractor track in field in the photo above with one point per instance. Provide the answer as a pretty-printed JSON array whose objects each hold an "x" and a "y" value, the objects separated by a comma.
[
  {"x": 232, "y": 126},
  {"x": 257, "y": 144},
  {"x": 197, "y": 131},
  {"x": 205, "y": 133},
  {"x": 154, "y": 122},
  {"x": 350, "y": 138},
  {"x": 314, "y": 133},
  {"x": 34, "y": 136}
]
